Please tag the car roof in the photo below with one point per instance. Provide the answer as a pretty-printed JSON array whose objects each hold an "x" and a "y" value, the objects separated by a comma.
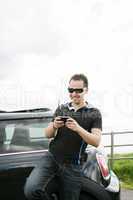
[{"x": 26, "y": 114}]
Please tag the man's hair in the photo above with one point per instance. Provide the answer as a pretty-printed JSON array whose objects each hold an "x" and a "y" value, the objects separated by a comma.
[{"x": 78, "y": 77}]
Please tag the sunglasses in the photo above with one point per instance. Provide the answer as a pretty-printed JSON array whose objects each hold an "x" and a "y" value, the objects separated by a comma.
[{"x": 77, "y": 90}]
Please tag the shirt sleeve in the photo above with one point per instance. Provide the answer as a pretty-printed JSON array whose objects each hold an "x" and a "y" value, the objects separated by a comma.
[
  {"x": 57, "y": 113},
  {"x": 97, "y": 119}
]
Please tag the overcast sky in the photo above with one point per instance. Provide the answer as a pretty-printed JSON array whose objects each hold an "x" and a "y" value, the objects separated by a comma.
[{"x": 42, "y": 43}]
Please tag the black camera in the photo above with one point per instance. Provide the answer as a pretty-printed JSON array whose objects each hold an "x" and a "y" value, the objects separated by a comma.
[{"x": 64, "y": 118}]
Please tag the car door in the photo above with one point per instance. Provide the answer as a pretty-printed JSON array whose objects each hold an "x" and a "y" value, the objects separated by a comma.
[{"x": 22, "y": 143}]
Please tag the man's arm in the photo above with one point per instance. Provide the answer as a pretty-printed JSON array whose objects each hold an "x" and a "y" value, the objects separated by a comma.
[
  {"x": 92, "y": 138},
  {"x": 50, "y": 130},
  {"x": 52, "y": 127}
]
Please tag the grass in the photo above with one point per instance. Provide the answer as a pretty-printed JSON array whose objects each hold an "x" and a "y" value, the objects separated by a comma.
[{"x": 124, "y": 170}]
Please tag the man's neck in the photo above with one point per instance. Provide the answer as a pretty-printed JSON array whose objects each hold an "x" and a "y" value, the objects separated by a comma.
[{"x": 78, "y": 106}]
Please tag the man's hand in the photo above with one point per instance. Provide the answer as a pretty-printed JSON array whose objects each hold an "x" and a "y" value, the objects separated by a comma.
[
  {"x": 72, "y": 124},
  {"x": 92, "y": 137},
  {"x": 57, "y": 123}
]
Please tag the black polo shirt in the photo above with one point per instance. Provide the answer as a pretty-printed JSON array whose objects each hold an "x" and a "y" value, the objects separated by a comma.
[{"x": 68, "y": 143}]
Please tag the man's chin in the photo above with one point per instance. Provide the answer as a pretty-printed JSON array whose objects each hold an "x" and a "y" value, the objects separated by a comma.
[{"x": 76, "y": 101}]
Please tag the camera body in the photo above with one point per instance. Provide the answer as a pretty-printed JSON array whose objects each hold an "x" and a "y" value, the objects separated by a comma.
[{"x": 64, "y": 118}]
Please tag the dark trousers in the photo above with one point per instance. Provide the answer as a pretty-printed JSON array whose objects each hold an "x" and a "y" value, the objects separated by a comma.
[{"x": 68, "y": 176}]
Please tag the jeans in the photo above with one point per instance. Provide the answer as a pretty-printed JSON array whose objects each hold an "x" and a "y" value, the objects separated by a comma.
[{"x": 48, "y": 169}]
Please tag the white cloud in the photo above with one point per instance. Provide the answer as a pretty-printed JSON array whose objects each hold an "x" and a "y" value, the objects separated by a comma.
[{"x": 42, "y": 43}]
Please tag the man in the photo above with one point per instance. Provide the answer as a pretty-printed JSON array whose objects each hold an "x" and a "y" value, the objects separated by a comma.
[{"x": 74, "y": 125}]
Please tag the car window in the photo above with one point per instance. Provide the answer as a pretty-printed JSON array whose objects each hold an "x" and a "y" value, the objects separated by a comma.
[{"x": 23, "y": 135}]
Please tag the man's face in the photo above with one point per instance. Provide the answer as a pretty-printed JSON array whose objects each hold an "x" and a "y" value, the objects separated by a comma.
[{"x": 77, "y": 91}]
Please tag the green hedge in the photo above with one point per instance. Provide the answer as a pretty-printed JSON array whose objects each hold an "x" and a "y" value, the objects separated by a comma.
[{"x": 124, "y": 170}]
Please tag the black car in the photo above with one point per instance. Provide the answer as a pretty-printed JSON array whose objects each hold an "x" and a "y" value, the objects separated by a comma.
[{"x": 23, "y": 142}]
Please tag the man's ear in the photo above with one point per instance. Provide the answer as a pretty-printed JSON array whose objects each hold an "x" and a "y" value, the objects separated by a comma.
[{"x": 86, "y": 90}]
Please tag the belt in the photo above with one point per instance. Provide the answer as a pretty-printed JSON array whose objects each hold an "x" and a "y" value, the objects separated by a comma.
[{"x": 67, "y": 161}]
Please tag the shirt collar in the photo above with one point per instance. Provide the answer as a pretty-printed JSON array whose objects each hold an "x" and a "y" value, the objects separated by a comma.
[{"x": 86, "y": 107}]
